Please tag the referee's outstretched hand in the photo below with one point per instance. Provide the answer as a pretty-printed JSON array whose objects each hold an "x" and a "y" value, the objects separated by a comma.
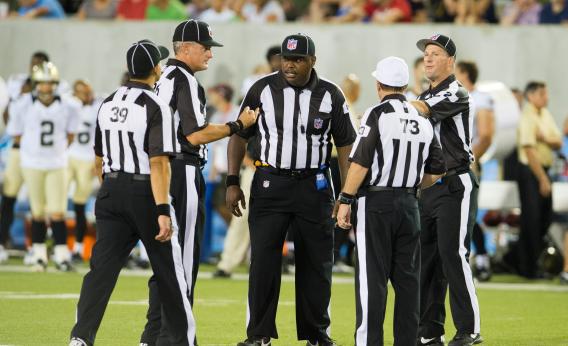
[
  {"x": 234, "y": 196},
  {"x": 165, "y": 233},
  {"x": 248, "y": 116}
]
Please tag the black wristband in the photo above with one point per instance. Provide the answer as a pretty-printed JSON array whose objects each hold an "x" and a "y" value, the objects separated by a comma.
[
  {"x": 240, "y": 123},
  {"x": 163, "y": 209},
  {"x": 232, "y": 180},
  {"x": 345, "y": 198},
  {"x": 234, "y": 126}
]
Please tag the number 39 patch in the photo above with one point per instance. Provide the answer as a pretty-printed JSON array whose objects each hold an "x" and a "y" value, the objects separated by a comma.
[{"x": 364, "y": 130}]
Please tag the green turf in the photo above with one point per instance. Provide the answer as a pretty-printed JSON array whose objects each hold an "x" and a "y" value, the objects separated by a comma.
[{"x": 509, "y": 317}]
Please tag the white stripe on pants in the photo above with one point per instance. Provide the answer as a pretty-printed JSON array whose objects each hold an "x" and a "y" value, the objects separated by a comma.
[
  {"x": 180, "y": 276},
  {"x": 192, "y": 203},
  {"x": 464, "y": 218},
  {"x": 362, "y": 330}
]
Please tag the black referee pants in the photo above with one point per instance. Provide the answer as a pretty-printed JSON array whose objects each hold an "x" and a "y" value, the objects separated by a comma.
[
  {"x": 388, "y": 247},
  {"x": 187, "y": 190},
  {"x": 126, "y": 212},
  {"x": 448, "y": 212},
  {"x": 276, "y": 202}
]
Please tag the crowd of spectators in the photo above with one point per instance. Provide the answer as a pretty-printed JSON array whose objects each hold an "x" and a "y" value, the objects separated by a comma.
[{"x": 504, "y": 12}]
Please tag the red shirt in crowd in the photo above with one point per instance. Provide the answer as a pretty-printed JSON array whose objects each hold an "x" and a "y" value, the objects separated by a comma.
[
  {"x": 373, "y": 6},
  {"x": 132, "y": 9}
]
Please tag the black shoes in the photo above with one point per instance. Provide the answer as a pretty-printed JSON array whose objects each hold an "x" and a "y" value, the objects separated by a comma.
[
  {"x": 466, "y": 340},
  {"x": 325, "y": 342},
  {"x": 256, "y": 341},
  {"x": 436, "y": 341},
  {"x": 221, "y": 274}
]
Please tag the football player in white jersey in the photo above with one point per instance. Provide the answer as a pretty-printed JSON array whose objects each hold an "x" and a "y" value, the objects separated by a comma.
[
  {"x": 81, "y": 167},
  {"x": 44, "y": 128},
  {"x": 17, "y": 85}
]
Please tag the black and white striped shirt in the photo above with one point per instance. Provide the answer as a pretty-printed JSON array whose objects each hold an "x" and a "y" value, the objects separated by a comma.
[
  {"x": 186, "y": 97},
  {"x": 296, "y": 125},
  {"x": 397, "y": 145},
  {"x": 133, "y": 125},
  {"x": 451, "y": 110}
]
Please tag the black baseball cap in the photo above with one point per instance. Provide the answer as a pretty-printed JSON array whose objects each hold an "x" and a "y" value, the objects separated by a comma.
[
  {"x": 298, "y": 45},
  {"x": 195, "y": 31},
  {"x": 441, "y": 41},
  {"x": 143, "y": 56}
]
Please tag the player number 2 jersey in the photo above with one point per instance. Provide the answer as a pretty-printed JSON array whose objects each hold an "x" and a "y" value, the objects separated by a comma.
[{"x": 43, "y": 130}]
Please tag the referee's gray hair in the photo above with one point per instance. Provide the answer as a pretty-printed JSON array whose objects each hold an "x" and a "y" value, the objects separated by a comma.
[{"x": 177, "y": 46}]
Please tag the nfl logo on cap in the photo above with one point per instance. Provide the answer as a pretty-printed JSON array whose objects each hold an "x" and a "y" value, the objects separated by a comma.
[
  {"x": 292, "y": 44},
  {"x": 435, "y": 37}
]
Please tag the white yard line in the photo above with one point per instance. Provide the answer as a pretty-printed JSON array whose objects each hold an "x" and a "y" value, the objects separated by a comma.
[{"x": 338, "y": 280}]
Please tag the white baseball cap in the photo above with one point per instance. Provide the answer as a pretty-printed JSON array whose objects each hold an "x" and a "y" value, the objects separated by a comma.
[{"x": 392, "y": 71}]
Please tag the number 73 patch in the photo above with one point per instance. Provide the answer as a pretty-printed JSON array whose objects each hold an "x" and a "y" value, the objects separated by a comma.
[{"x": 364, "y": 130}]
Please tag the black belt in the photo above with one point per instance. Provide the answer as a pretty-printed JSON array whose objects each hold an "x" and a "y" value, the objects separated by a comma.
[
  {"x": 409, "y": 190},
  {"x": 456, "y": 171},
  {"x": 116, "y": 175},
  {"x": 294, "y": 173},
  {"x": 190, "y": 159}
]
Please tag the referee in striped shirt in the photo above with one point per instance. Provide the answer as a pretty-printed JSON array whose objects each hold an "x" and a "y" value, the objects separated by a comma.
[
  {"x": 300, "y": 113},
  {"x": 178, "y": 87},
  {"x": 133, "y": 142},
  {"x": 396, "y": 152},
  {"x": 449, "y": 208}
]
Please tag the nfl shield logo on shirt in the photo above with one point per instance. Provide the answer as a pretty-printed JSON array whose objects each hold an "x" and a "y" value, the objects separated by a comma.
[
  {"x": 292, "y": 44},
  {"x": 266, "y": 184},
  {"x": 318, "y": 123}
]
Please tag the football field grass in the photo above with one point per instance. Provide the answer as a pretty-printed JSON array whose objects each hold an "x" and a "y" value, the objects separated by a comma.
[{"x": 39, "y": 309}]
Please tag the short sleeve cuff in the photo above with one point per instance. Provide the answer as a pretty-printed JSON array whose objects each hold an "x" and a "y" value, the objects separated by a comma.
[
  {"x": 161, "y": 153},
  {"x": 360, "y": 162},
  {"x": 345, "y": 142},
  {"x": 196, "y": 129}
]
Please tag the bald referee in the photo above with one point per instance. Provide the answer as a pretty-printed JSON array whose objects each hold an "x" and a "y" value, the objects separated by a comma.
[
  {"x": 449, "y": 208},
  {"x": 133, "y": 141},
  {"x": 395, "y": 154}
]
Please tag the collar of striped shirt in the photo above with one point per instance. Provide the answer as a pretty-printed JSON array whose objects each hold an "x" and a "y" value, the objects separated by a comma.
[
  {"x": 400, "y": 97},
  {"x": 282, "y": 83},
  {"x": 138, "y": 85},
  {"x": 443, "y": 85},
  {"x": 178, "y": 63}
]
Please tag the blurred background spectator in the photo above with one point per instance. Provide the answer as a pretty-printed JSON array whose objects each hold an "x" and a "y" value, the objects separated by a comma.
[
  {"x": 51, "y": 9},
  {"x": 387, "y": 11},
  {"x": 554, "y": 12},
  {"x": 97, "y": 9},
  {"x": 262, "y": 11},
  {"x": 476, "y": 11},
  {"x": 131, "y": 9},
  {"x": 443, "y": 11},
  {"x": 165, "y": 10},
  {"x": 219, "y": 12},
  {"x": 196, "y": 7},
  {"x": 384, "y": 12},
  {"x": 521, "y": 12}
]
